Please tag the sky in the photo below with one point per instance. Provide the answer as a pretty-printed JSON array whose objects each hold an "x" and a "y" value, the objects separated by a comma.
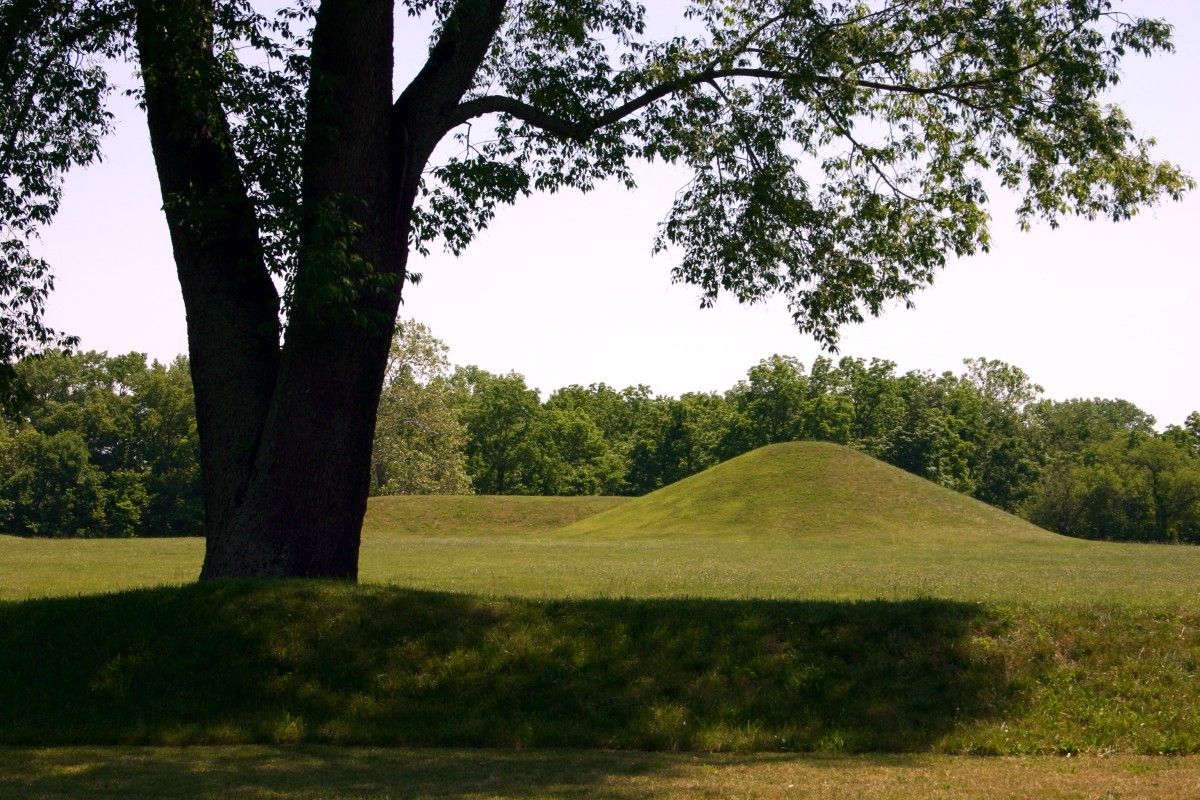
[{"x": 564, "y": 289}]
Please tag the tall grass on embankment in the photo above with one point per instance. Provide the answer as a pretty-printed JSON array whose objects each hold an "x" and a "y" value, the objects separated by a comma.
[{"x": 327, "y": 663}]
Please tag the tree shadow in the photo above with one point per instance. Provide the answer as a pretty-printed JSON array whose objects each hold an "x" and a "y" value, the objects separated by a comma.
[
  {"x": 306, "y": 771},
  {"x": 329, "y": 663}
]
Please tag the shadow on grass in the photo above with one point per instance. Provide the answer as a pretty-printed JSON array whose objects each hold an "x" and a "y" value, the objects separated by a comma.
[
  {"x": 327, "y": 663},
  {"x": 302, "y": 772}
]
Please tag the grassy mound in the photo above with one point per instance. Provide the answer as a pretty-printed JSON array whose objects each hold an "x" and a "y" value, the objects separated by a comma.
[
  {"x": 811, "y": 490},
  {"x": 310, "y": 662},
  {"x": 476, "y": 515}
]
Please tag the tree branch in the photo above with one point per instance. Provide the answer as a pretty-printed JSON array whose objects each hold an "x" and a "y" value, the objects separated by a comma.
[
  {"x": 582, "y": 131},
  {"x": 448, "y": 73}
]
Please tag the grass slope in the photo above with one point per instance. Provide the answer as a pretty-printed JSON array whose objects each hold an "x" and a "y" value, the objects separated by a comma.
[
  {"x": 797, "y": 521},
  {"x": 328, "y": 663},
  {"x": 815, "y": 491},
  {"x": 476, "y": 515}
]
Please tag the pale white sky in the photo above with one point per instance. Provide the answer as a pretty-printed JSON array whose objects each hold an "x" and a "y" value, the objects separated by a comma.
[{"x": 564, "y": 290}]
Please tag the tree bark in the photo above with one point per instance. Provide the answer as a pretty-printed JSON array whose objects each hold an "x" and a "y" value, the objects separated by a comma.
[
  {"x": 304, "y": 504},
  {"x": 232, "y": 306},
  {"x": 286, "y": 432}
]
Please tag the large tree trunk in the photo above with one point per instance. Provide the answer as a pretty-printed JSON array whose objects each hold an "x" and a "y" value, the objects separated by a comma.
[
  {"x": 286, "y": 433},
  {"x": 304, "y": 504},
  {"x": 232, "y": 306}
]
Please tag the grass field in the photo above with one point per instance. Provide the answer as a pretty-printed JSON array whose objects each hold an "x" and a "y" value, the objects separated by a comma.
[
  {"x": 803, "y": 521},
  {"x": 799, "y": 598},
  {"x": 325, "y": 773}
]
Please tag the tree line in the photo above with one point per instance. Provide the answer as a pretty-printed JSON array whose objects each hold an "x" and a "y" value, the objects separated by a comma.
[{"x": 107, "y": 446}]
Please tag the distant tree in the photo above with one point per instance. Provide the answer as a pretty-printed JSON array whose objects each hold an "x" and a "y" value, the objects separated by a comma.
[
  {"x": 1141, "y": 487},
  {"x": 771, "y": 399},
  {"x": 1002, "y": 384},
  {"x": 657, "y": 444},
  {"x": 500, "y": 414},
  {"x": 709, "y": 422},
  {"x": 1097, "y": 499},
  {"x": 827, "y": 413},
  {"x": 837, "y": 153},
  {"x": 1187, "y": 435},
  {"x": 879, "y": 408},
  {"x": 1006, "y": 460},
  {"x": 930, "y": 440},
  {"x": 419, "y": 440},
  {"x": 1070, "y": 427},
  {"x": 573, "y": 457},
  {"x": 136, "y": 424},
  {"x": 51, "y": 488},
  {"x": 610, "y": 409},
  {"x": 1172, "y": 480}
]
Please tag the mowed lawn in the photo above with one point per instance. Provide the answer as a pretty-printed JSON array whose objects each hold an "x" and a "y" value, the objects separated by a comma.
[
  {"x": 801, "y": 521},
  {"x": 801, "y": 598},
  {"x": 325, "y": 773}
]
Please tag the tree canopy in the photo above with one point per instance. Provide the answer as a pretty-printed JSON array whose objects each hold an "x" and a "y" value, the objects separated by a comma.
[{"x": 838, "y": 149}]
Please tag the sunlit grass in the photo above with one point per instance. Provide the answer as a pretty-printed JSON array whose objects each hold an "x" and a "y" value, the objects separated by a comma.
[{"x": 800, "y": 521}]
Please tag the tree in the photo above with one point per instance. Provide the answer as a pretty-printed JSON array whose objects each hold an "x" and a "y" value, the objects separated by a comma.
[
  {"x": 1172, "y": 480},
  {"x": 879, "y": 408},
  {"x": 572, "y": 455},
  {"x": 1006, "y": 458},
  {"x": 282, "y": 150},
  {"x": 1071, "y": 427},
  {"x": 1133, "y": 487},
  {"x": 105, "y": 446},
  {"x": 771, "y": 399},
  {"x": 419, "y": 440},
  {"x": 51, "y": 489},
  {"x": 500, "y": 416}
]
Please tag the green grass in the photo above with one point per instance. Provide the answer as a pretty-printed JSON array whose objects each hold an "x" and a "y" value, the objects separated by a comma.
[
  {"x": 329, "y": 663},
  {"x": 799, "y": 521},
  {"x": 454, "y": 515},
  {"x": 48, "y": 567},
  {"x": 811, "y": 492},
  {"x": 323, "y": 773},
  {"x": 801, "y": 597}
]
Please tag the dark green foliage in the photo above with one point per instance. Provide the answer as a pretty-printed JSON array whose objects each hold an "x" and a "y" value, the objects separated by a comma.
[
  {"x": 105, "y": 446},
  {"x": 50, "y": 488},
  {"x": 499, "y": 413},
  {"x": 1134, "y": 488},
  {"x": 52, "y": 117},
  {"x": 901, "y": 120}
]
